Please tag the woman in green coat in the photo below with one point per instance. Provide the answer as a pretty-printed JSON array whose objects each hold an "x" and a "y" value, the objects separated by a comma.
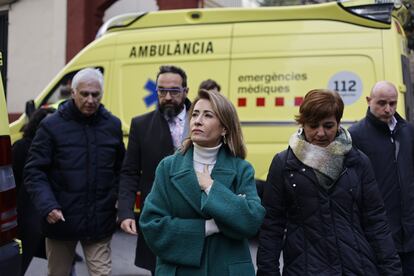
[{"x": 203, "y": 205}]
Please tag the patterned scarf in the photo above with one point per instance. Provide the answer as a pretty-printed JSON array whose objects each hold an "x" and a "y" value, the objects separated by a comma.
[{"x": 327, "y": 162}]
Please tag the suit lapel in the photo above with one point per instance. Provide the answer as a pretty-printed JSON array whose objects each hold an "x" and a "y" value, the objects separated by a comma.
[{"x": 162, "y": 133}]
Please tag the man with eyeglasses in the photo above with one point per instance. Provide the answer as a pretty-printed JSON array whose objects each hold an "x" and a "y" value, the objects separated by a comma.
[
  {"x": 72, "y": 175},
  {"x": 152, "y": 137}
]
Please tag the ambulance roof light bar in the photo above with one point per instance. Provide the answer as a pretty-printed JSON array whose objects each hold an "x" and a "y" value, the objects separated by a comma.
[
  {"x": 379, "y": 12},
  {"x": 382, "y": 10},
  {"x": 117, "y": 22}
]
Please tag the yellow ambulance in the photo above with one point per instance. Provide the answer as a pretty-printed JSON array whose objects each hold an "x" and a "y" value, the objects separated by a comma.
[{"x": 265, "y": 59}]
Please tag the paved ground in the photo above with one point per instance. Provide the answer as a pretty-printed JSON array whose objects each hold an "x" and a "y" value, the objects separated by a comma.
[{"x": 123, "y": 252}]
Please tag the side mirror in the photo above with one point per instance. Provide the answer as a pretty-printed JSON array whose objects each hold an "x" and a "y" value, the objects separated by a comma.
[{"x": 30, "y": 108}]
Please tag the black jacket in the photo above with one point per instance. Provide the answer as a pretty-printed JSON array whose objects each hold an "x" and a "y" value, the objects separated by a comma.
[
  {"x": 28, "y": 219},
  {"x": 149, "y": 142},
  {"x": 341, "y": 231},
  {"x": 73, "y": 165},
  {"x": 395, "y": 175},
  {"x": 20, "y": 151}
]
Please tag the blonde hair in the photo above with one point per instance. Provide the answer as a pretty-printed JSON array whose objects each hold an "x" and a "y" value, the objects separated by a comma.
[{"x": 227, "y": 115}]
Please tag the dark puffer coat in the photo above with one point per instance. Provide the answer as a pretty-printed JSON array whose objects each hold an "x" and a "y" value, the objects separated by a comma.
[
  {"x": 73, "y": 165},
  {"x": 341, "y": 231}
]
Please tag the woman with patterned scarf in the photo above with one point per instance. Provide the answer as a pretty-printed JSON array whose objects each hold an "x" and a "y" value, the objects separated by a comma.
[{"x": 323, "y": 207}]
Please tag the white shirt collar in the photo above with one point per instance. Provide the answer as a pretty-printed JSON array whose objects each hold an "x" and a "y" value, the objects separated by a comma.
[
  {"x": 392, "y": 123},
  {"x": 181, "y": 116}
]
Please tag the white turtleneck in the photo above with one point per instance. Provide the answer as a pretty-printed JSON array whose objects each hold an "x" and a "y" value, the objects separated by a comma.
[{"x": 206, "y": 156}]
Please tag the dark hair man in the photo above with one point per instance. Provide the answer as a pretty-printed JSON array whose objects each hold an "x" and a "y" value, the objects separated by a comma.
[
  {"x": 209, "y": 84},
  {"x": 152, "y": 137}
]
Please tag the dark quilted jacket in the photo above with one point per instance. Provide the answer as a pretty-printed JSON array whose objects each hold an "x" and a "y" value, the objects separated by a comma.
[
  {"x": 73, "y": 165},
  {"x": 341, "y": 231}
]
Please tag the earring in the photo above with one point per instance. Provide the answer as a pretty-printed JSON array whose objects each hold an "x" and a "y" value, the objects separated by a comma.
[{"x": 224, "y": 139}]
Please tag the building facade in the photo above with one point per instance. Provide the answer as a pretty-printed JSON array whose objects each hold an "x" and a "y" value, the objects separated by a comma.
[{"x": 38, "y": 37}]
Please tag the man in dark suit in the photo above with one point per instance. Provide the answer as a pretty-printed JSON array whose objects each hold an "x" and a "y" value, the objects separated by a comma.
[
  {"x": 152, "y": 137},
  {"x": 388, "y": 140}
]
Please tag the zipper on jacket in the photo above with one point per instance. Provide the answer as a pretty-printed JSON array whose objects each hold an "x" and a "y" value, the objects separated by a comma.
[
  {"x": 296, "y": 202},
  {"x": 344, "y": 171}
]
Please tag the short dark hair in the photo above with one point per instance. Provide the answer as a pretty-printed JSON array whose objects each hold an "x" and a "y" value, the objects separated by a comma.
[
  {"x": 319, "y": 104},
  {"x": 30, "y": 128},
  {"x": 209, "y": 84},
  {"x": 173, "y": 69}
]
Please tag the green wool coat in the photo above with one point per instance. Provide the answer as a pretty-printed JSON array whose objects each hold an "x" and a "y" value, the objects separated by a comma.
[{"x": 175, "y": 211}]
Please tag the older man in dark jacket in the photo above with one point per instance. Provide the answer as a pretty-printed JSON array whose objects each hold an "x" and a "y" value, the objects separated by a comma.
[
  {"x": 72, "y": 175},
  {"x": 388, "y": 140}
]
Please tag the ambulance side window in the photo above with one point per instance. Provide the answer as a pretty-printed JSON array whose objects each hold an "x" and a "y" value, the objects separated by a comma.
[{"x": 62, "y": 90}]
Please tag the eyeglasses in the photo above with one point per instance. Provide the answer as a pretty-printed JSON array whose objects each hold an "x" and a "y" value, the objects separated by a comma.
[{"x": 174, "y": 91}]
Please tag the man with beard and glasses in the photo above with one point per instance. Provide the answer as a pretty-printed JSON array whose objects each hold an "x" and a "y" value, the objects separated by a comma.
[{"x": 152, "y": 137}]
